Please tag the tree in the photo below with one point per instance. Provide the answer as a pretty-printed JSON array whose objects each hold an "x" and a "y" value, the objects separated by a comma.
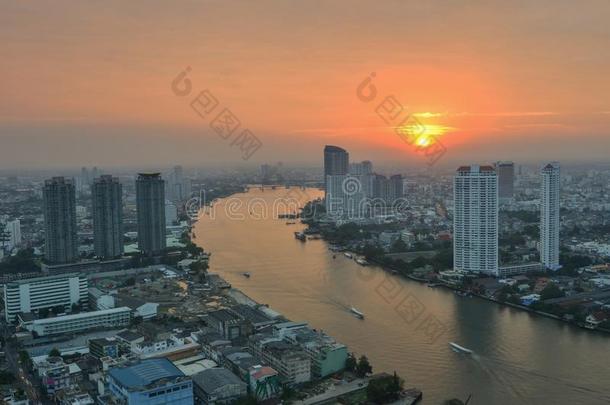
[
  {"x": 398, "y": 246},
  {"x": 551, "y": 291},
  {"x": 25, "y": 360},
  {"x": 54, "y": 352},
  {"x": 384, "y": 389},
  {"x": 351, "y": 363},
  {"x": 364, "y": 367},
  {"x": 6, "y": 377}
]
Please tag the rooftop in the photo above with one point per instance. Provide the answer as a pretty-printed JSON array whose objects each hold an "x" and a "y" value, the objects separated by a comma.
[
  {"x": 211, "y": 379},
  {"x": 145, "y": 373},
  {"x": 41, "y": 279},
  {"x": 82, "y": 315}
]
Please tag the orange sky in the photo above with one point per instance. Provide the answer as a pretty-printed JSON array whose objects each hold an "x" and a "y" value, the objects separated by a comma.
[{"x": 90, "y": 82}]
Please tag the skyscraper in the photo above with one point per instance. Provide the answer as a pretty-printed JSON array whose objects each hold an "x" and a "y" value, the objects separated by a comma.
[
  {"x": 14, "y": 229},
  {"x": 475, "y": 220},
  {"x": 395, "y": 188},
  {"x": 506, "y": 179},
  {"x": 549, "y": 216},
  {"x": 59, "y": 206},
  {"x": 178, "y": 186},
  {"x": 364, "y": 167},
  {"x": 336, "y": 162},
  {"x": 106, "y": 195},
  {"x": 381, "y": 187},
  {"x": 150, "y": 204}
]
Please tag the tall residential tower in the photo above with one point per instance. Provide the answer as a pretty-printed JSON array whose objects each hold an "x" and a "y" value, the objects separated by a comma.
[
  {"x": 549, "y": 216},
  {"x": 59, "y": 206},
  {"x": 107, "y": 194},
  {"x": 150, "y": 204},
  {"x": 336, "y": 162},
  {"x": 475, "y": 221},
  {"x": 506, "y": 180}
]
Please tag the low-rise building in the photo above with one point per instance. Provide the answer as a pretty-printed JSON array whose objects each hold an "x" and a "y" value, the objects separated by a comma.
[
  {"x": 264, "y": 383},
  {"x": 104, "y": 347},
  {"x": 128, "y": 339},
  {"x": 226, "y": 322},
  {"x": 100, "y": 300},
  {"x": 218, "y": 386},
  {"x": 174, "y": 347},
  {"x": 293, "y": 364},
  {"x": 54, "y": 374},
  {"x": 76, "y": 323},
  {"x": 150, "y": 382},
  {"x": 327, "y": 355}
]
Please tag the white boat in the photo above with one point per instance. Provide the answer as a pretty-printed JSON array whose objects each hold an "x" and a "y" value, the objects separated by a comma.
[
  {"x": 348, "y": 255},
  {"x": 459, "y": 349},
  {"x": 357, "y": 313},
  {"x": 362, "y": 262}
]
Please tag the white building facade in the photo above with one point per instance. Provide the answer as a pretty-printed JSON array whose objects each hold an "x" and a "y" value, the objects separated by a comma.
[
  {"x": 107, "y": 318},
  {"x": 549, "y": 216},
  {"x": 34, "y": 294},
  {"x": 475, "y": 220}
]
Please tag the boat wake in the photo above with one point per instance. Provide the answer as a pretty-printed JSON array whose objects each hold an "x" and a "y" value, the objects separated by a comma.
[{"x": 514, "y": 377}]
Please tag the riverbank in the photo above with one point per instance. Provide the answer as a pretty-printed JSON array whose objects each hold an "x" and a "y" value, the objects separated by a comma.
[{"x": 440, "y": 283}]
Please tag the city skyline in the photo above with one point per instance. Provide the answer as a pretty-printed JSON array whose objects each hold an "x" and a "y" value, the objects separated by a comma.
[{"x": 305, "y": 202}]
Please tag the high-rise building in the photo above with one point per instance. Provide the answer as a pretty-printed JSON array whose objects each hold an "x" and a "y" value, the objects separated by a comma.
[
  {"x": 336, "y": 162},
  {"x": 364, "y": 167},
  {"x": 381, "y": 187},
  {"x": 506, "y": 179},
  {"x": 171, "y": 213},
  {"x": 178, "y": 187},
  {"x": 14, "y": 229},
  {"x": 59, "y": 206},
  {"x": 475, "y": 220},
  {"x": 346, "y": 195},
  {"x": 549, "y": 216},
  {"x": 107, "y": 198},
  {"x": 150, "y": 204},
  {"x": 395, "y": 188}
]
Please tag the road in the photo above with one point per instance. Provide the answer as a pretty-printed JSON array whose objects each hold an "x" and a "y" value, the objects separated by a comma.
[{"x": 24, "y": 378}]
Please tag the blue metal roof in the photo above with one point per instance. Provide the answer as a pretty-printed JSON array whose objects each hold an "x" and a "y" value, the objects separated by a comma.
[{"x": 145, "y": 373}]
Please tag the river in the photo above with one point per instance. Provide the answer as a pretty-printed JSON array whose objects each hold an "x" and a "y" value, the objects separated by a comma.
[{"x": 518, "y": 358}]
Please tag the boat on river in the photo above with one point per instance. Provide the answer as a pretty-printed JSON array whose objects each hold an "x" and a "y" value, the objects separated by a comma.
[
  {"x": 357, "y": 313},
  {"x": 348, "y": 255},
  {"x": 459, "y": 349}
]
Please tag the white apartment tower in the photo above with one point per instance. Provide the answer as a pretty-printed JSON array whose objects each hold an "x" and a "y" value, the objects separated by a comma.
[
  {"x": 549, "y": 216},
  {"x": 475, "y": 220}
]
